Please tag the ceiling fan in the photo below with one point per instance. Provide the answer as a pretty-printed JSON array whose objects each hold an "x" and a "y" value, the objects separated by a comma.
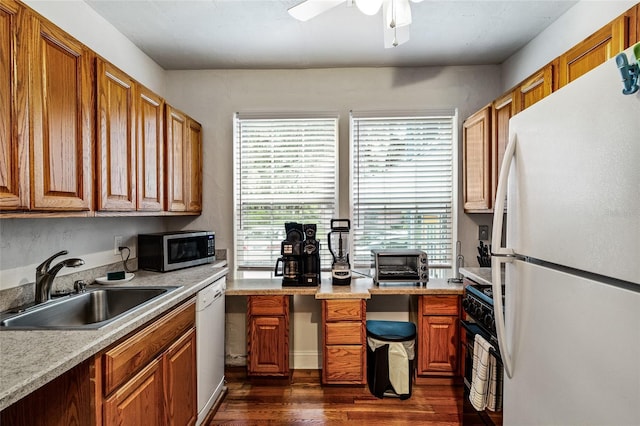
[{"x": 396, "y": 15}]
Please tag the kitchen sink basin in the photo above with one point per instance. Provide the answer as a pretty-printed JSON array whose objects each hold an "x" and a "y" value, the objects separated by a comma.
[{"x": 92, "y": 309}]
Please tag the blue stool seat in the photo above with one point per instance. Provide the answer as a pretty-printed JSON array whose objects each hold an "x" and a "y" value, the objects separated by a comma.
[{"x": 393, "y": 331}]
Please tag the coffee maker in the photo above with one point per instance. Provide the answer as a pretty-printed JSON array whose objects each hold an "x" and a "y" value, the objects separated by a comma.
[
  {"x": 300, "y": 257},
  {"x": 339, "y": 248}
]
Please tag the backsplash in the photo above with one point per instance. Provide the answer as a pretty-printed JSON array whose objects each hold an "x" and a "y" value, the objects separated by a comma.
[{"x": 24, "y": 294}]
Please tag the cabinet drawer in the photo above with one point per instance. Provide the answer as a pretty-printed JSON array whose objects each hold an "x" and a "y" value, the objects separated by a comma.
[
  {"x": 343, "y": 310},
  {"x": 440, "y": 305},
  {"x": 341, "y": 333},
  {"x": 124, "y": 360},
  {"x": 344, "y": 363},
  {"x": 268, "y": 305}
]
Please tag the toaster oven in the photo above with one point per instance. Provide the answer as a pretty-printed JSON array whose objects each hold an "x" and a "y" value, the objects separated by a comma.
[{"x": 400, "y": 265}]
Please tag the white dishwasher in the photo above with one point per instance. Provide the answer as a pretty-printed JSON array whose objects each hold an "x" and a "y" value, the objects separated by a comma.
[{"x": 210, "y": 345}]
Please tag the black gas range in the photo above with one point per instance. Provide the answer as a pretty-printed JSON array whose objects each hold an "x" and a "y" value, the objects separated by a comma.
[{"x": 477, "y": 302}]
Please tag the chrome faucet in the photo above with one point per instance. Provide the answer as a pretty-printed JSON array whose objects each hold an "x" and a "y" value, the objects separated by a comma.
[{"x": 45, "y": 276}]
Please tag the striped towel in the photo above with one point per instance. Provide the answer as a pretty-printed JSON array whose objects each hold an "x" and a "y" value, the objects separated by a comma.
[{"x": 486, "y": 377}]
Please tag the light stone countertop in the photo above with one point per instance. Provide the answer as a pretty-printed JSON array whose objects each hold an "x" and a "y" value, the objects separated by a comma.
[
  {"x": 360, "y": 288},
  {"x": 30, "y": 359},
  {"x": 480, "y": 275}
]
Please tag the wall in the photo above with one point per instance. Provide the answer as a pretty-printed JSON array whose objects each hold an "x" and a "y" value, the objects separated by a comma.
[
  {"x": 213, "y": 96},
  {"x": 572, "y": 27}
]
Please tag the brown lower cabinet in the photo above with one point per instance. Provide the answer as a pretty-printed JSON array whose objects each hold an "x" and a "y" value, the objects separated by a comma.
[
  {"x": 268, "y": 336},
  {"x": 344, "y": 348},
  {"x": 439, "y": 336},
  {"x": 146, "y": 378}
]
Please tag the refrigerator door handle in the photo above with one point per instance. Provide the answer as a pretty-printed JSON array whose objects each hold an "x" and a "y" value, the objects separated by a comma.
[{"x": 501, "y": 255}]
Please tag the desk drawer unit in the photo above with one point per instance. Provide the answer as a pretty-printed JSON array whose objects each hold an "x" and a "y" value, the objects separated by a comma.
[{"x": 343, "y": 336}]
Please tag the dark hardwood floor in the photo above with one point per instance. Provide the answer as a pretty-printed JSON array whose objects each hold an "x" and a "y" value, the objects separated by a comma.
[{"x": 305, "y": 401}]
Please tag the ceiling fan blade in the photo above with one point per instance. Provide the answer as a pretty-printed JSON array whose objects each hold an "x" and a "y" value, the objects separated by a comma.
[
  {"x": 311, "y": 8},
  {"x": 395, "y": 36}
]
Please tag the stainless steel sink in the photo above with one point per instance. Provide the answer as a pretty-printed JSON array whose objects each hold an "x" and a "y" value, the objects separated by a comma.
[{"x": 90, "y": 310}]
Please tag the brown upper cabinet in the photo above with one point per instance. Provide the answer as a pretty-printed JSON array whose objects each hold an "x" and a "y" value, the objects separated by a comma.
[
  {"x": 502, "y": 110},
  {"x": 61, "y": 119},
  {"x": 150, "y": 123},
  {"x": 476, "y": 161},
  {"x": 116, "y": 145},
  {"x": 14, "y": 160},
  {"x": 533, "y": 89},
  {"x": 46, "y": 115},
  {"x": 634, "y": 30},
  {"x": 184, "y": 162},
  {"x": 595, "y": 50}
]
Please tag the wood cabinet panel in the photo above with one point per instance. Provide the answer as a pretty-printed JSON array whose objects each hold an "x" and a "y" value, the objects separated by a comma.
[
  {"x": 476, "y": 161},
  {"x": 61, "y": 120},
  {"x": 268, "y": 346},
  {"x": 440, "y": 305},
  {"x": 139, "y": 401},
  {"x": 634, "y": 25},
  {"x": 503, "y": 109},
  {"x": 344, "y": 333},
  {"x": 14, "y": 149},
  {"x": 344, "y": 310},
  {"x": 176, "y": 139},
  {"x": 344, "y": 364},
  {"x": 439, "y": 345},
  {"x": 116, "y": 149},
  {"x": 151, "y": 144},
  {"x": 536, "y": 87},
  {"x": 601, "y": 46},
  {"x": 65, "y": 401},
  {"x": 122, "y": 361},
  {"x": 193, "y": 183},
  {"x": 267, "y": 305},
  {"x": 180, "y": 381}
]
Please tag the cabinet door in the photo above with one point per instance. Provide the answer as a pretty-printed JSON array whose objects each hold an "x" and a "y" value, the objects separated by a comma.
[
  {"x": 268, "y": 346},
  {"x": 116, "y": 153},
  {"x": 14, "y": 149},
  {"x": 503, "y": 110},
  {"x": 193, "y": 175},
  {"x": 180, "y": 381},
  {"x": 61, "y": 120},
  {"x": 439, "y": 345},
  {"x": 476, "y": 162},
  {"x": 139, "y": 401},
  {"x": 150, "y": 133},
  {"x": 344, "y": 364},
  {"x": 176, "y": 131},
  {"x": 534, "y": 88},
  {"x": 593, "y": 51}
]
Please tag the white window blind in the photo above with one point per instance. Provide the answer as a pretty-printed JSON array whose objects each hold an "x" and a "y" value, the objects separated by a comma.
[
  {"x": 285, "y": 171},
  {"x": 402, "y": 185}
]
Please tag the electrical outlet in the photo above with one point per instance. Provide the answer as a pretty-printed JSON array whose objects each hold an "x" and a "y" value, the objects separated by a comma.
[
  {"x": 483, "y": 232},
  {"x": 117, "y": 242}
]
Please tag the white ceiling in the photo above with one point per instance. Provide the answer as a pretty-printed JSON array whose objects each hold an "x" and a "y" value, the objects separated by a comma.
[{"x": 210, "y": 34}]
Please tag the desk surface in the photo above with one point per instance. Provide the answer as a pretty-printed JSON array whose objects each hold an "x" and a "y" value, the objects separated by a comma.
[{"x": 360, "y": 288}]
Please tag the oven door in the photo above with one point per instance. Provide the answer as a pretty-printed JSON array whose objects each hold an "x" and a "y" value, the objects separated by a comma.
[{"x": 470, "y": 331}]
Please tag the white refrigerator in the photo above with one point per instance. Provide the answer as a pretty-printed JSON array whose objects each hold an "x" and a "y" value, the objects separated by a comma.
[{"x": 571, "y": 336}]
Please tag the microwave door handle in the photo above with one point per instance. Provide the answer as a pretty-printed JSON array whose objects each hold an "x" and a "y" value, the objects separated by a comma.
[{"x": 501, "y": 255}]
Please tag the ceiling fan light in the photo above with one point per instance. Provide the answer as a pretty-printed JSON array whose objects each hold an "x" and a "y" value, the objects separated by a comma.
[{"x": 369, "y": 7}]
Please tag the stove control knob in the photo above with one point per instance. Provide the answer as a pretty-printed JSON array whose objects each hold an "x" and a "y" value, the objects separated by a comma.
[
  {"x": 488, "y": 320},
  {"x": 478, "y": 310},
  {"x": 466, "y": 303}
]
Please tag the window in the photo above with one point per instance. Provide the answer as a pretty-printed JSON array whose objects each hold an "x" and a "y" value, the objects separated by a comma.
[
  {"x": 402, "y": 185},
  {"x": 285, "y": 171}
]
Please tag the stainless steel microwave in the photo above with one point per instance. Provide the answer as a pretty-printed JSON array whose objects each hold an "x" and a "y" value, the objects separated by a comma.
[
  {"x": 168, "y": 251},
  {"x": 399, "y": 265}
]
